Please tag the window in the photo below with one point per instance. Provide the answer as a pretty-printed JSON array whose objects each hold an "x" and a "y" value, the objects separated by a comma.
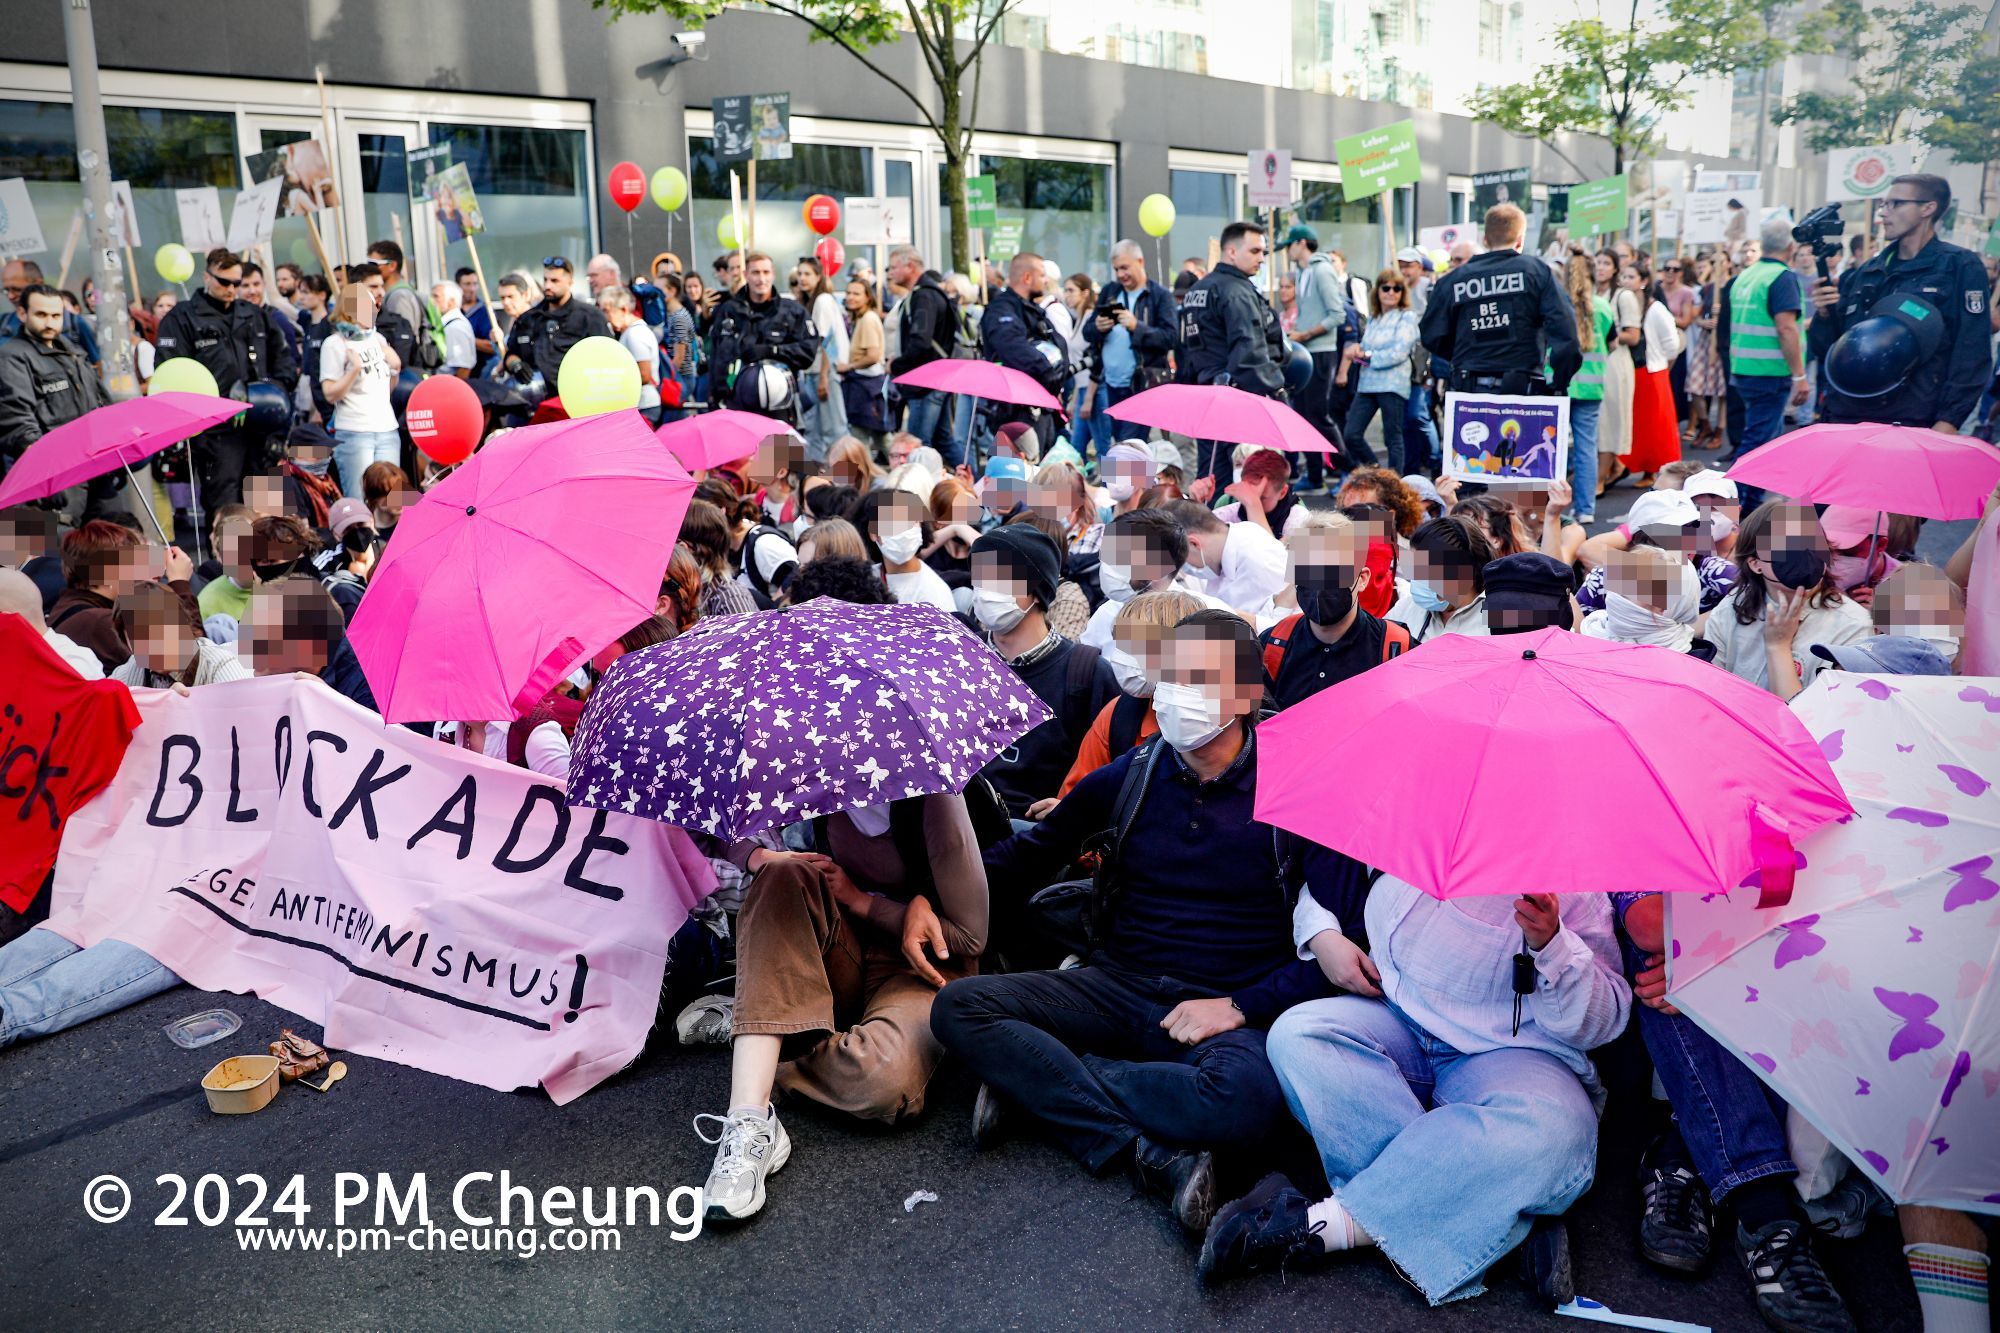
[
  {"x": 159, "y": 150},
  {"x": 782, "y": 189},
  {"x": 533, "y": 188},
  {"x": 1204, "y": 203},
  {"x": 1064, "y": 210},
  {"x": 1354, "y": 229}
]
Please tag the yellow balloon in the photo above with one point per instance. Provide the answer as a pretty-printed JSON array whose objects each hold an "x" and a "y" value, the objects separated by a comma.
[
  {"x": 596, "y": 376},
  {"x": 725, "y": 231},
  {"x": 1156, "y": 215},
  {"x": 184, "y": 374},
  {"x": 670, "y": 188},
  {"x": 174, "y": 263}
]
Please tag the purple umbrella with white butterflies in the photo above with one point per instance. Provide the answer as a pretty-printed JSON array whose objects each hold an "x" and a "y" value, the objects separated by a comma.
[
  {"x": 1869, "y": 1001},
  {"x": 753, "y": 720}
]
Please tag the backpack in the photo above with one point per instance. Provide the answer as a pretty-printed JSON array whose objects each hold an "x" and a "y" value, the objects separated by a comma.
[
  {"x": 652, "y": 304},
  {"x": 1395, "y": 642},
  {"x": 765, "y": 593},
  {"x": 1128, "y": 715}
]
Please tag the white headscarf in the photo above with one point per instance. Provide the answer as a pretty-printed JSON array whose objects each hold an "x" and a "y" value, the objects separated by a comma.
[{"x": 1625, "y": 621}]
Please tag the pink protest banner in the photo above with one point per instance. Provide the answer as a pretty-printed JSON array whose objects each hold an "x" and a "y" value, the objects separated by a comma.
[{"x": 426, "y": 904}]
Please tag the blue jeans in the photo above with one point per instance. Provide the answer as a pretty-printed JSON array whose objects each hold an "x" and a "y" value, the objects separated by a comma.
[
  {"x": 1083, "y": 1051},
  {"x": 1443, "y": 1157},
  {"x": 1095, "y": 428},
  {"x": 922, "y": 410},
  {"x": 1366, "y": 405},
  {"x": 1420, "y": 435},
  {"x": 823, "y": 420},
  {"x": 1583, "y": 414},
  {"x": 48, "y": 985},
  {"x": 355, "y": 450},
  {"x": 1764, "y": 399},
  {"x": 1115, "y": 394}
]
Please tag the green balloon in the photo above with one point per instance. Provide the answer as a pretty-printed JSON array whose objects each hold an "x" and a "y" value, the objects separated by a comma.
[
  {"x": 670, "y": 188},
  {"x": 175, "y": 264},
  {"x": 725, "y": 231},
  {"x": 596, "y": 376},
  {"x": 1156, "y": 215},
  {"x": 184, "y": 374}
]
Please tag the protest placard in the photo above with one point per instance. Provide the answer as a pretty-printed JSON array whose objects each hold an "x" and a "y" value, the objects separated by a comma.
[
  {"x": 1377, "y": 160},
  {"x": 982, "y": 198},
  {"x": 201, "y": 218},
  {"x": 875, "y": 219},
  {"x": 1490, "y": 188},
  {"x": 255, "y": 215},
  {"x": 425, "y": 166},
  {"x": 456, "y": 203},
  {"x": 426, "y": 904},
  {"x": 771, "y": 120},
  {"x": 1506, "y": 439},
  {"x": 733, "y": 138},
  {"x": 1598, "y": 207},
  {"x": 1270, "y": 175},
  {"x": 1721, "y": 216},
  {"x": 1865, "y": 173},
  {"x": 1443, "y": 238},
  {"x": 20, "y": 229}
]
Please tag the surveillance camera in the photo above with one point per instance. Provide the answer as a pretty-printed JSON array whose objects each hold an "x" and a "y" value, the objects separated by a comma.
[{"x": 694, "y": 43}]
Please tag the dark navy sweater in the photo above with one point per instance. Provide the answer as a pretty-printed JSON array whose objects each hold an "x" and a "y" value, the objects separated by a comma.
[{"x": 1202, "y": 900}]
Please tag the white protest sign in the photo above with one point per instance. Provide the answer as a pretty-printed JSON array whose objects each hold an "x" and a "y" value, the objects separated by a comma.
[
  {"x": 255, "y": 216},
  {"x": 1270, "y": 174},
  {"x": 124, "y": 214},
  {"x": 426, "y": 904},
  {"x": 875, "y": 219},
  {"x": 201, "y": 218},
  {"x": 1443, "y": 238},
  {"x": 1865, "y": 173},
  {"x": 1506, "y": 439},
  {"x": 1721, "y": 216},
  {"x": 20, "y": 229}
]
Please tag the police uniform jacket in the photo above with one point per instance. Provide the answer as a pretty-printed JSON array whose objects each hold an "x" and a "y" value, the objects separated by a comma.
[
  {"x": 1502, "y": 313},
  {"x": 42, "y": 386},
  {"x": 1008, "y": 332},
  {"x": 239, "y": 343},
  {"x": 776, "y": 329},
  {"x": 1946, "y": 282},
  {"x": 543, "y": 335},
  {"x": 1229, "y": 334}
]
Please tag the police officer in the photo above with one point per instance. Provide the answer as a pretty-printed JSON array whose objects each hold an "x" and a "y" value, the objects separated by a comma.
[
  {"x": 543, "y": 335},
  {"x": 240, "y": 344},
  {"x": 1016, "y": 332},
  {"x": 1500, "y": 317},
  {"x": 1231, "y": 335},
  {"x": 755, "y": 330},
  {"x": 46, "y": 381},
  {"x": 1906, "y": 334}
]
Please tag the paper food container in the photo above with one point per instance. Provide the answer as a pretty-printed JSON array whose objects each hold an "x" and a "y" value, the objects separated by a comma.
[{"x": 241, "y": 1084}]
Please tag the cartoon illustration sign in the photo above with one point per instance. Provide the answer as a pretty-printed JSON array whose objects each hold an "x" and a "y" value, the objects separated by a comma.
[{"x": 1506, "y": 439}]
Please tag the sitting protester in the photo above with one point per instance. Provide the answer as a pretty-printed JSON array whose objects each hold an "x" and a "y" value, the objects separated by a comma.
[
  {"x": 1015, "y": 571},
  {"x": 102, "y": 561},
  {"x": 1669, "y": 521},
  {"x": 844, "y": 578},
  {"x": 1144, "y": 550},
  {"x": 705, "y": 531},
  {"x": 1921, "y": 602},
  {"x": 1528, "y": 592},
  {"x": 1239, "y": 564},
  {"x": 1151, "y": 1054},
  {"x": 223, "y": 582},
  {"x": 832, "y": 537},
  {"x": 1447, "y": 592},
  {"x": 294, "y": 625},
  {"x": 1859, "y": 542},
  {"x": 345, "y": 568},
  {"x": 19, "y": 596},
  {"x": 166, "y": 648},
  {"x": 1069, "y": 610},
  {"x": 895, "y": 526},
  {"x": 1650, "y": 597},
  {"x": 1331, "y": 638},
  {"x": 1262, "y": 494},
  {"x": 1137, "y": 656},
  {"x": 1451, "y": 1110},
  {"x": 1784, "y": 604},
  {"x": 1380, "y": 486}
]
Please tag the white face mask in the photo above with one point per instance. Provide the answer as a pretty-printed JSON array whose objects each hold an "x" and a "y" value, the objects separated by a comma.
[
  {"x": 1720, "y": 525},
  {"x": 1115, "y": 582},
  {"x": 900, "y": 547},
  {"x": 1119, "y": 489},
  {"x": 997, "y": 612},
  {"x": 1131, "y": 677},
  {"x": 1188, "y": 718}
]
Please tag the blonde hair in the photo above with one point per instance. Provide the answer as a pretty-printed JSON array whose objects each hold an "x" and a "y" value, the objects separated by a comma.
[
  {"x": 854, "y": 454},
  {"x": 1163, "y": 609},
  {"x": 1316, "y": 520},
  {"x": 834, "y": 536},
  {"x": 1580, "y": 277},
  {"x": 1082, "y": 514}
]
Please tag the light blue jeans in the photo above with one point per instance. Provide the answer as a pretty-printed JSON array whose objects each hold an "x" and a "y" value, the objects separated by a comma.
[
  {"x": 49, "y": 985},
  {"x": 1442, "y": 1157},
  {"x": 1583, "y": 414},
  {"x": 824, "y": 420},
  {"x": 355, "y": 450}
]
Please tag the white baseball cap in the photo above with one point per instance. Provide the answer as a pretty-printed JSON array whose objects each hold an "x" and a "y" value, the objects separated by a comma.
[{"x": 1712, "y": 483}]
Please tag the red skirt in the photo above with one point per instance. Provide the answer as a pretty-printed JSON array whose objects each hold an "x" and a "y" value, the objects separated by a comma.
[{"x": 1656, "y": 432}]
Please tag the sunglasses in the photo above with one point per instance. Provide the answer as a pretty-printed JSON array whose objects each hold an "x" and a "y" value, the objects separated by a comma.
[
  {"x": 559, "y": 261},
  {"x": 221, "y": 281},
  {"x": 1388, "y": 286}
]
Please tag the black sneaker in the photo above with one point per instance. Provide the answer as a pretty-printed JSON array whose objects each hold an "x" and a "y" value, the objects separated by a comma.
[
  {"x": 1677, "y": 1228},
  {"x": 989, "y": 1118},
  {"x": 1184, "y": 1177},
  {"x": 1266, "y": 1229},
  {"x": 1791, "y": 1288},
  {"x": 1545, "y": 1262}
]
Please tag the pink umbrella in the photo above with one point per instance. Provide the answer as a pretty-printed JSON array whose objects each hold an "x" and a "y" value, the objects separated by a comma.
[
  {"x": 714, "y": 439},
  {"x": 108, "y": 438},
  {"x": 539, "y": 550},
  {"x": 1886, "y": 469},
  {"x": 1223, "y": 412},
  {"x": 1549, "y": 763},
  {"x": 980, "y": 379}
]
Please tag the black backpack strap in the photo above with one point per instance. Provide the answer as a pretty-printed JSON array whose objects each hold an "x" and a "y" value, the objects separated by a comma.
[
  {"x": 1132, "y": 793},
  {"x": 1127, "y": 716},
  {"x": 1078, "y": 674}
]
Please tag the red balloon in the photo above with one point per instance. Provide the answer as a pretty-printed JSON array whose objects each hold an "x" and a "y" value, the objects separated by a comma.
[
  {"x": 832, "y": 255},
  {"x": 445, "y": 419},
  {"x": 822, "y": 214},
  {"x": 628, "y": 185}
]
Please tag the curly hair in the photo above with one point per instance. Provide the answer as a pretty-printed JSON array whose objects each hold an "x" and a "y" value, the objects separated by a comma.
[
  {"x": 681, "y": 585},
  {"x": 842, "y": 578},
  {"x": 1389, "y": 491}
]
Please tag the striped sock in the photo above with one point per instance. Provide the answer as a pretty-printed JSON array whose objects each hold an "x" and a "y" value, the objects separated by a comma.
[{"x": 1951, "y": 1287}]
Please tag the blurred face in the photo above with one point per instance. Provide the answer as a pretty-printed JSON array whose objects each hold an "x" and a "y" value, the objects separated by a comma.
[
  {"x": 1679, "y": 541},
  {"x": 1005, "y": 494},
  {"x": 252, "y": 289},
  {"x": 468, "y": 290},
  {"x": 556, "y": 283},
  {"x": 232, "y": 548},
  {"x": 1329, "y": 561},
  {"x": 901, "y": 513},
  {"x": 1126, "y": 477},
  {"x": 266, "y": 495},
  {"x": 1199, "y": 657},
  {"x": 760, "y": 277},
  {"x": 776, "y": 458},
  {"x": 1448, "y": 573},
  {"x": 1050, "y": 498},
  {"x": 129, "y": 568},
  {"x": 965, "y": 509},
  {"x": 271, "y": 637},
  {"x": 1145, "y": 560},
  {"x": 21, "y": 542},
  {"x": 1921, "y": 603},
  {"x": 1644, "y": 575},
  {"x": 1130, "y": 270},
  {"x": 993, "y": 576},
  {"x": 43, "y": 318},
  {"x": 1146, "y": 645},
  {"x": 1794, "y": 532},
  {"x": 164, "y": 644},
  {"x": 1719, "y": 520},
  {"x": 392, "y": 507}
]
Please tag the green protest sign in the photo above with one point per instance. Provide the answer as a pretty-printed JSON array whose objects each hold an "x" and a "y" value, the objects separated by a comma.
[
  {"x": 1597, "y": 207},
  {"x": 1006, "y": 238},
  {"x": 1377, "y": 160},
  {"x": 981, "y": 198}
]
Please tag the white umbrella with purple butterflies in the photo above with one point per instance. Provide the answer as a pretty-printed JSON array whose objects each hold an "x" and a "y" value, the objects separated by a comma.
[{"x": 1869, "y": 1001}]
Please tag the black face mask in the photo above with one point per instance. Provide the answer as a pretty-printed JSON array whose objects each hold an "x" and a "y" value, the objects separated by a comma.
[
  {"x": 1799, "y": 567},
  {"x": 357, "y": 539},
  {"x": 1326, "y": 595},
  {"x": 271, "y": 573}
]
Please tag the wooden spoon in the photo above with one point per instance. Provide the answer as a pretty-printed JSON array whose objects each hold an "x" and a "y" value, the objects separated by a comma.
[{"x": 336, "y": 1072}]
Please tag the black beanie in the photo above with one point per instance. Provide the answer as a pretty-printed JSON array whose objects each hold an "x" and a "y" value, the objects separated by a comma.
[{"x": 1030, "y": 555}]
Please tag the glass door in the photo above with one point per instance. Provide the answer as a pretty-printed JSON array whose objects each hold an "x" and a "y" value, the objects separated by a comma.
[
  {"x": 291, "y": 239},
  {"x": 374, "y": 174}
]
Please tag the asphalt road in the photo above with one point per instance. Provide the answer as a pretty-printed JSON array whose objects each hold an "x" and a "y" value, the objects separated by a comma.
[{"x": 1018, "y": 1237}]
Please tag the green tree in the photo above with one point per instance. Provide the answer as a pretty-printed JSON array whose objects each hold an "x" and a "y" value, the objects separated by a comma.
[
  {"x": 949, "y": 105},
  {"x": 1965, "y": 122},
  {"x": 1617, "y": 79},
  {"x": 1905, "y": 58}
]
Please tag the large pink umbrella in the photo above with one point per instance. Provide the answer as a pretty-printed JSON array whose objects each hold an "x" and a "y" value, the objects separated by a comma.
[
  {"x": 980, "y": 379},
  {"x": 109, "y": 438},
  {"x": 538, "y": 551},
  {"x": 1549, "y": 763},
  {"x": 1223, "y": 412},
  {"x": 714, "y": 439},
  {"x": 1884, "y": 469}
]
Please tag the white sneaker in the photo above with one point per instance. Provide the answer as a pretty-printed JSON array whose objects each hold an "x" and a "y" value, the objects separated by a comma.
[
  {"x": 707, "y": 1021},
  {"x": 749, "y": 1147}
]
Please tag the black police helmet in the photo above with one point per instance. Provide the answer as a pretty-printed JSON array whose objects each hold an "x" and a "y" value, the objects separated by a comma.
[
  {"x": 1872, "y": 358},
  {"x": 270, "y": 410},
  {"x": 1298, "y": 367}
]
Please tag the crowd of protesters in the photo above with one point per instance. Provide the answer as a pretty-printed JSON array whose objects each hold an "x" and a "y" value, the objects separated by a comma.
[{"x": 1160, "y": 595}]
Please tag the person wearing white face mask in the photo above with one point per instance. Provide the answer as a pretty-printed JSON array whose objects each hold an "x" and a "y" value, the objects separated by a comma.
[
  {"x": 1650, "y": 597},
  {"x": 1143, "y": 551},
  {"x": 896, "y": 526},
  {"x": 1127, "y": 474},
  {"x": 1015, "y": 573}
]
